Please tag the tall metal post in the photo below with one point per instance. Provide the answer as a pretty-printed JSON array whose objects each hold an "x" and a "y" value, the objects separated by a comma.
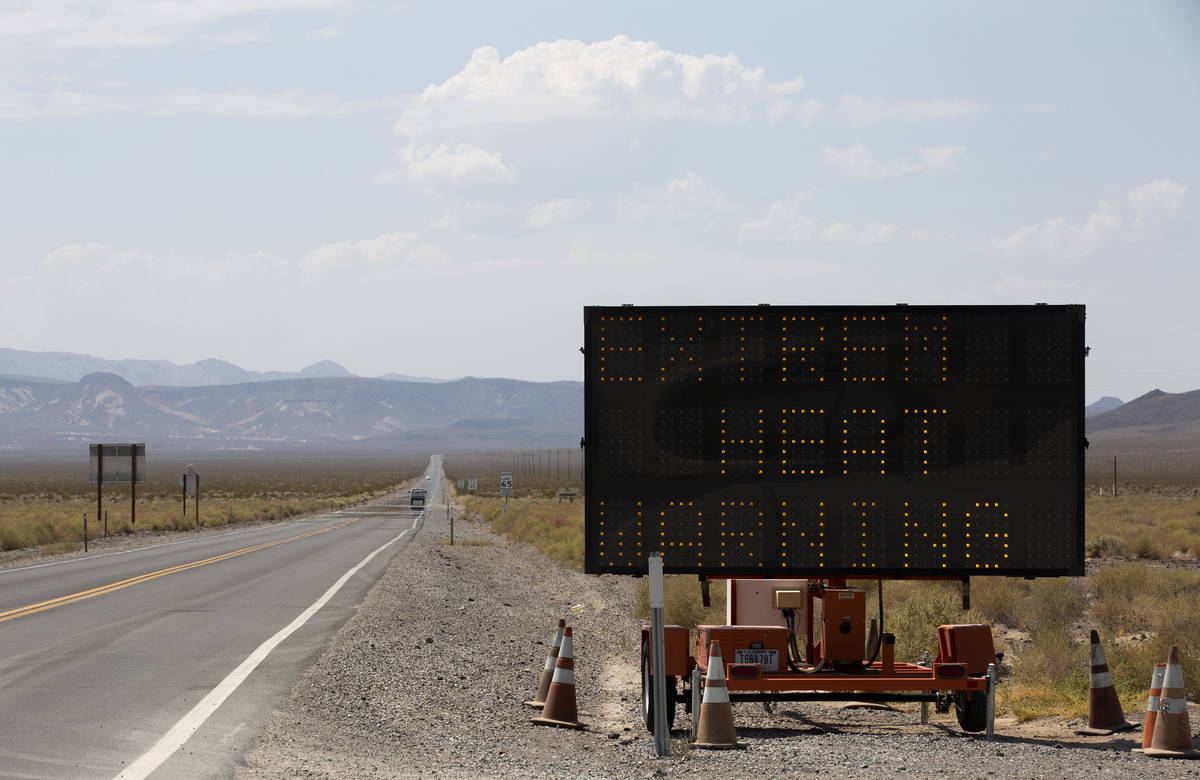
[
  {"x": 991, "y": 702},
  {"x": 100, "y": 484},
  {"x": 85, "y": 532},
  {"x": 1114, "y": 492},
  {"x": 197, "y": 502},
  {"x": 658, "y": 655},
  {"x": 183, "y": 484},
  {"x": 133, "y": 488}
]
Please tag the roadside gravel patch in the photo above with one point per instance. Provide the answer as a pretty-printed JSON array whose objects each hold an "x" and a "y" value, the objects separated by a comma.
[{"x": 427, "y": 679}]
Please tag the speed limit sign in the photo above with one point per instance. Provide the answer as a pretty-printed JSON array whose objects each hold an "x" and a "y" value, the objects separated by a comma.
[{"x": 506, "y": 484}]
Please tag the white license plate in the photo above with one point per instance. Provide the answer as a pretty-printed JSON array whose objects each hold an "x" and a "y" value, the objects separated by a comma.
[{"x": 767, "y": 659}]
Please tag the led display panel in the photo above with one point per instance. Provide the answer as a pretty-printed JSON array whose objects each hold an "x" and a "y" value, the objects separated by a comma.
[{"x": 893, "y": 441}]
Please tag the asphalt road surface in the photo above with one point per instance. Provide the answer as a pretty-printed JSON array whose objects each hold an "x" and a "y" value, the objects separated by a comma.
[{"x": 167, "y": 659}]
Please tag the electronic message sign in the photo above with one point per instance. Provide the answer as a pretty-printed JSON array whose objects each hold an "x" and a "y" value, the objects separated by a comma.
[{"x": 864, "y": 441}]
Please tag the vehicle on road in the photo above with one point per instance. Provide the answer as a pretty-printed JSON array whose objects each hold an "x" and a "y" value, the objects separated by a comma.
[{"x": 417, "y": 497}]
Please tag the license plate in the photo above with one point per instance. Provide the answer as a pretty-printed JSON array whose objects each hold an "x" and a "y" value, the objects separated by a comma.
[{"x": 767, "y": 659}]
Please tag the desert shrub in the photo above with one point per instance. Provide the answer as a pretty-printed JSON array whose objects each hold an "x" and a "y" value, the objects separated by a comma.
[
  {"x": 682, "y": 602},
  {"x": 914, "y": 610},
  {"x": 1105, "y": 547}
]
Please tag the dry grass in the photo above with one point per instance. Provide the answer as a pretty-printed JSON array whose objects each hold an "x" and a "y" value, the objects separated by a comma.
[
  {"x": 1159, "y": 524},
  {"x": 1140, "y": 608},
  {"x": 42, "y": 505},
  {"x": 555, "y": 529}
]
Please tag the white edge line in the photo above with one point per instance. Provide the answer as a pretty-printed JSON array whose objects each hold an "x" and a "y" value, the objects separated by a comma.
[
  {"x": 179, "y": 734},
  {"x": 85, "y": 557}
]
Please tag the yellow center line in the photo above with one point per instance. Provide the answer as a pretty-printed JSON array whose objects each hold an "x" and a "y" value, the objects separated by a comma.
[{"x": 115, "y": 586}]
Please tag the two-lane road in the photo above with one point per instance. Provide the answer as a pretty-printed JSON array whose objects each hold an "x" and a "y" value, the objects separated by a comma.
[{"x": 167, "y": 659}]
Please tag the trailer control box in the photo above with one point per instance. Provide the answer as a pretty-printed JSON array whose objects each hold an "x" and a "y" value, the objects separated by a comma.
[
  {"x": 843, "y": 636},
  {"x": 762, "y": 645}
]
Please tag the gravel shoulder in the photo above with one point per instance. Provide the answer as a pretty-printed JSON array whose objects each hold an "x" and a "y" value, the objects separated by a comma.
[{"x": 427, "y": 679}]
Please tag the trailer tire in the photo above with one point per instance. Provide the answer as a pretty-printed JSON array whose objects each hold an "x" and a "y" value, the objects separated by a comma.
[
  {"x": 648, "y": 687},
  {"x": 971, "y": 709}
]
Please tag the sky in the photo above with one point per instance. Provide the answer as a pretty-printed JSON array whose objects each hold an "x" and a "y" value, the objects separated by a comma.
[{"x": 439, "y": 188}]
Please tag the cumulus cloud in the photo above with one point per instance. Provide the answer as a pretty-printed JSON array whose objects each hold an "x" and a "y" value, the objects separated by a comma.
[
  {"x": 686, "y": 196},
  {"x": 442, "y": 167},
  {"x": 556, "y": 212},
  {"x": 924, "y": 234},
  {"x": 615, "y": 79},
  {"x": 783, "y": 221},
  {"x": 858, "y": 162},
  {"x": 862, "y": 111},
  {"x": 1058, "y": 237},
  {"x": 393, "y": 255},
  {"x": 874, "y": 233},
  {"x": 1155, "y": 202}
]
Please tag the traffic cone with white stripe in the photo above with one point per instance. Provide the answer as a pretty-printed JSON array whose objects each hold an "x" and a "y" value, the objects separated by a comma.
[
  {"x": 539, "y": 699},
  {"x": 715, "y": 730},
  {"x": 1172, "y": 730},
  {"x": 560, "y": 709},
  {"x": 1105, "y": 715},
  {"x": 1156, "y": 683}
]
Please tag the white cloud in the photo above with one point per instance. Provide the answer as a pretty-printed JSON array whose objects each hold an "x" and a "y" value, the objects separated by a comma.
[
  {"x": 924, "y": 234},
  {"x": 686, "y": 196},
  {"x": 243, "y": 103},
  {"x": 556, "y": 212},
  {"x": 442, "y": 167},
  {"x": 1057, "y": 237},
  {"x": 614, "y": 79},
  {"x": 876, "y": 110},
  {"x": 107, "y": 24},
  {"x": 1155, "y": 202},
  {"x": 874, "y": 233},
  {"x": 858, "y": 162},
  {"x": 691, "y": 194},
  {"x": 392, "y": 255},
  {"x": 783, "y": 221}
]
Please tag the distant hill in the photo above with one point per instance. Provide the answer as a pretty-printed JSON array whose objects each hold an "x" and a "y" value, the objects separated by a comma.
[
  {"x": 71, "y": 367},
  {"x": 1105, "y": 404},
  {"x": 45, "y": 413},
  {"x": 1165, "y": 412}
]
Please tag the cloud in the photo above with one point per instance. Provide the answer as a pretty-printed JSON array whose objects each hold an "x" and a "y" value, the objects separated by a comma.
[
  {"x": 858, "y": 162},
  {"x": 862, "y": 111},
  {"x": 441, "y": 167},
  {"x": 874, "y": 233},
  {"x": 783, "y": 222},
  {"x": 1057, "y": 237},
  {"x": 556, "y": 212},
  {"x": 923, "y": 234},
  {"x": 108, "y": 24},
  {"x": 686, "y": 196},
  {"x": 1155, "y": 202},
  {"x": 615, "y": 79},
  {"x": 243, "y": 103},
  {"x": 392, "y": 255}
]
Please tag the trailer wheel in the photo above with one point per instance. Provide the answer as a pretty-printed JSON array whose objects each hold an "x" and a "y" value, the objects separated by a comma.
[
  {"x": 971, "y": 709},
  {"x": 647, "y": 692}
]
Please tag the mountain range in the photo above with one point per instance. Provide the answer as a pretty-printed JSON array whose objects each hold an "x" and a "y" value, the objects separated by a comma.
[
  {"x": 48, "y": 414},
  {"x": 71, "y": 367}
]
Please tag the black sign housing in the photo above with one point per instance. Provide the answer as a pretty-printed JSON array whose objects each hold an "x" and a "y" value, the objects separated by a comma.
[{"x": 889, "y": 441}]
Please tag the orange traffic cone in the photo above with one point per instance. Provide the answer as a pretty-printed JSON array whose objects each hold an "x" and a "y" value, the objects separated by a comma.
[
  {"x": 1156, "y": 682},
  {"x": 1172, "y": 731},
  {"x": 715, "y": 730},
  {"x": 560, "y": 707},
  {"x": 1105, "y": 715},
  {"x": 539, "y": 699}
]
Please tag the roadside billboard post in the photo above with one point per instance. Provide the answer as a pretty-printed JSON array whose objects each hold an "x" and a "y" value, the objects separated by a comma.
[{"x": 117, "y": 464}]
